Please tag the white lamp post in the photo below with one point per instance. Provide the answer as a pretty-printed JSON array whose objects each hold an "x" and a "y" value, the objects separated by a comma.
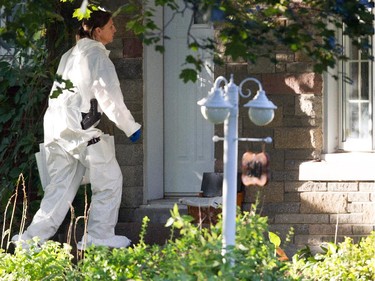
[{"x": 221, "y": 105}]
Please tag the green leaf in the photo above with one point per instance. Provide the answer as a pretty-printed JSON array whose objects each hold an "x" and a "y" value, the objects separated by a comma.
[
  {"x": 169, "y": 222},
  {"x": 191, "y": 59},
  {"x": 80, "y": 16},
  {"x": 55, "y": 93},
  {"x": 175, "y": 211},
  {"x": 160, "y": 48},
  {"x": 68, "y": 84},
  {"x": 127, "y": 8},
  {"x": 194, "y": 46},
  {"x": 189, "y": 74},
  {"x": 274, "y": 238}
]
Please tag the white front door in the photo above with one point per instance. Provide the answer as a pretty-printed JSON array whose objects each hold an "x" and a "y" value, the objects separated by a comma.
[{"x": 188, "y": 146}]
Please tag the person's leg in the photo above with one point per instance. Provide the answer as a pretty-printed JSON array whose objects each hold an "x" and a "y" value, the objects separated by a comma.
[
  {"x": 66, "y": 174},
  {"x": 106, "y": 187}
]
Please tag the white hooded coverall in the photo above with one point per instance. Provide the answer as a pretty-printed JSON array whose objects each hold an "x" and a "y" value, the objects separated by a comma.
[{"x": 93, "y": 74}]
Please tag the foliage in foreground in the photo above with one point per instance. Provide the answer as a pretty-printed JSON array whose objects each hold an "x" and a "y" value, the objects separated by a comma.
[
  {"x": 50, "y": 262},
  {"x": 195, "y": 254},
  {"x": 344, "y": 261},
  {"x": 33, "y": 35}
]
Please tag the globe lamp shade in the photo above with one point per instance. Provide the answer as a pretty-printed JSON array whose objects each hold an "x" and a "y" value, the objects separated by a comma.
[
  {"x": 215, "y": 107},
  {"x": 261, "y": 116},
  {"x": 261, "y": 109},
  {"x": 217, "y": 115}
]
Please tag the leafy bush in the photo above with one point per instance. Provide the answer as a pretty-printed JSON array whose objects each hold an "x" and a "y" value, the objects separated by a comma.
[
  {"x": 344, "y": 261},
  {"x": 33, "y": 38},
  {"x": 48, "y": 262},
  {"x": 194, "y": 254}
]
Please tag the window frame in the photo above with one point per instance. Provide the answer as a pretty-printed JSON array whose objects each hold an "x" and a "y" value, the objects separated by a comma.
[
  {"x": 347, "y": 143},
  {"x": 333, "y": 110},
  {"x": 339, "y": 163}
]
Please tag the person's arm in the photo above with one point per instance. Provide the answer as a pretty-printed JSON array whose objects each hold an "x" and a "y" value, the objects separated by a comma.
[{"x": 107, "y": 91}]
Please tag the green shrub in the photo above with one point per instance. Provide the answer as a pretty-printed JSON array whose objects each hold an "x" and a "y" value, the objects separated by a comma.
[
  {"x": 194, "y": 255},
  {"x": 344, "y": 261},
  {"x": 33, "y": 36},
  {"x": 48, "y": 262}
]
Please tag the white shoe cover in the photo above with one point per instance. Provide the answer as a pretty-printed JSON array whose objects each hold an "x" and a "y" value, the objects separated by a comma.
[
  {"x": 116, "y": 241},
  {"x": 24, "y": 241}
]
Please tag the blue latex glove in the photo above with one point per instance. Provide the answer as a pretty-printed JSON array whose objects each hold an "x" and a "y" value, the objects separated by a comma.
[{"x": 134, "y": 137}]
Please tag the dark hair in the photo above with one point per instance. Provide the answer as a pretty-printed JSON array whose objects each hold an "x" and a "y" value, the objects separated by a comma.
[{"x": 97, "y": 18}]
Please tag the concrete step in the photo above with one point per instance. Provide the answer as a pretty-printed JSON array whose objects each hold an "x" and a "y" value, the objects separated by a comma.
[
  {"x": 156, "y": 214},
  {"x": 130, "y": 223},
  {"x": 156, "y": 233},
  {"x": 158, "y": 211}
]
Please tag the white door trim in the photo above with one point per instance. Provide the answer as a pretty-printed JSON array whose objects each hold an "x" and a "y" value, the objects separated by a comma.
[{"x": 153, "y": 103}]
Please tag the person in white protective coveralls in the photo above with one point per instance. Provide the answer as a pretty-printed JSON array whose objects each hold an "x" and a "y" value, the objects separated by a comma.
[{"x": 71, "y": 148}]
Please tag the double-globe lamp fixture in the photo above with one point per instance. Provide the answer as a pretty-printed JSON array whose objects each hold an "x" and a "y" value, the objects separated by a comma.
[
  {"x": 217, "y": 105},
  {"x": 221, "y": 106}
]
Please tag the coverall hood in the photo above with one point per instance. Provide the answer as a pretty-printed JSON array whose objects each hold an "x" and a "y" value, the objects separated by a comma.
[{"x": 85, "y": 44}]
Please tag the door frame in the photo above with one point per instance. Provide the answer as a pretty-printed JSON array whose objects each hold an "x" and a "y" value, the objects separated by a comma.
[{"x": 153, "y": 103}]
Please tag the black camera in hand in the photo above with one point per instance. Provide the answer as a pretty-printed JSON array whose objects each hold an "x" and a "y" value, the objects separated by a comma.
[{"x": 93, "y": 116}]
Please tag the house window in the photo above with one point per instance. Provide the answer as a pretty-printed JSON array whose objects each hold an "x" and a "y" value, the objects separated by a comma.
[
  {"x": 356, "y": 100},
  {"x": 348, "y": 126}
]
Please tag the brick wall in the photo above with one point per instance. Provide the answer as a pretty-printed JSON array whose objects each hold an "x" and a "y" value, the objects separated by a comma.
[{"x": 317, "y": 211}]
